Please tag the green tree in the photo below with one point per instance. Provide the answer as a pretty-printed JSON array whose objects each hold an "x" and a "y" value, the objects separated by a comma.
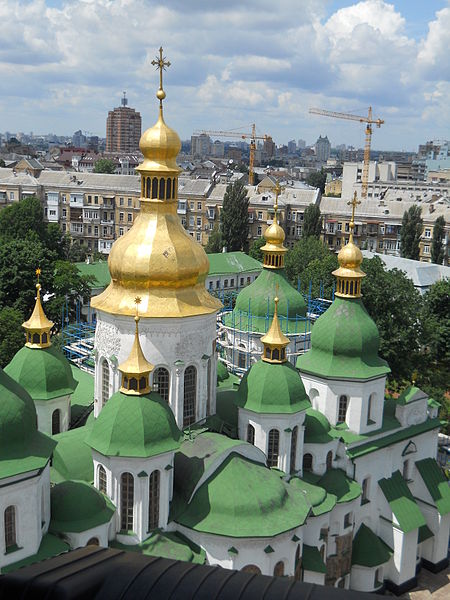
[
  {"x": 20, "y": 219},
  {"x": 67, "y": 286},
  {"x": 234, "y": 217},
  {"x": 302, "y": 254},
  {"x": 255, "y": 249},
  {"x": 105, "y": 165},
  {"x": 312, "y": 221},
  {"x": 437, "y": 250},
  {"x": 319, "y": 274},
  {"x": 411, "y": 232},
  {"x": 214, "y": 241},
  {"x": 317, "y": 179},
  {"x": 11, "y": 334}
]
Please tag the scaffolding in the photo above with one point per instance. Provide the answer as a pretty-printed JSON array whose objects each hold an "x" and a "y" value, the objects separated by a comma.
[{"x": 78, "y": 338}]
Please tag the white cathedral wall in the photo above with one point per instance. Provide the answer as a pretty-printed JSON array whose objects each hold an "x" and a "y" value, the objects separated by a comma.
[
  {"x": 319, "y": 453},
  {"x": 313, "y": 577},
  {"x": 45, "y": 410},
  {"x": 362, "y": 579},
  {"x": 78, "y": 540},
  {"x": 173, "y": 343}
]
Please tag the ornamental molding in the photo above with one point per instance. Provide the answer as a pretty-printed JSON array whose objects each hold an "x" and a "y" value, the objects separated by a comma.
[{"x": 107, "y": 340}]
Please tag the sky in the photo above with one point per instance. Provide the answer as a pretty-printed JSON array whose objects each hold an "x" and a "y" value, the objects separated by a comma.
[{"x": 64, "y": 64}]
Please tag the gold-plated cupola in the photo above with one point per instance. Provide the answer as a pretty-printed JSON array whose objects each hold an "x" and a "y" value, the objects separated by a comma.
[
  {"x": 37, "y": 328},
  {"x": 274, "y": 235},
  {"x": 136, "y": 369},
  {"x": 157, "y": 259},
  {"x": 274, "y": 341},
  {"x": 349, "y": 274}
]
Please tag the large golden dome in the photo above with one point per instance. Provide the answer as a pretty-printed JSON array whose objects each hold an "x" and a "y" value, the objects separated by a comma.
[
  {"x": 274, "y": 235},
  {"x": 157, "y": 259}
]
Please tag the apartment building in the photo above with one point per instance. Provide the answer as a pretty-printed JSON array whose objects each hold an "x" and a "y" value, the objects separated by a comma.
[{"x": 123, "y": 128}]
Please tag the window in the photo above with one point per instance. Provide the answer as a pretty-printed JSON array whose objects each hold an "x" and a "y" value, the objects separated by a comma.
[
  {"x": 130, "y": 202},
  {"x": 278, "y": 570},
  {"x": 191, "y": 221},
  {"x": 294, "y": 435},
  {"x": 406, "y": 474},
  {"x": 251, "y": 569},
  {"x": 231, "y": 282},
  {"x": 121, "y": 217},
  {"x": 56, "y": 421},
  {"x": 11, "y": 196},
  {"x": 190, "y": 390},
  {"x": 259, "y": 231},
  {"x": 130, "y": 218},
  {"x": 120, "y": 230},
  {"x": 198, "y": 237},
  {"x": 260, "y": 215},
  {"x": 365, "y": 490},
  {"x": 102, "y": 481},
  {"x": 225, "y": 283},
  {"x": 370, "y": 409},
  {"x": 250, "y": 434},
  {"x": 329, "y": 461},
  {"x": 348, "y": 520},
  {"x": 10, "y": 528},
  {"x": 307, "y": 462},
  {"x": 339, "y": 226},
  {"x": 242, "y": 281},
  {"x": 127, "y": 501},
  {"x": 427, "y": 233},
  {"x": 342, "y": 412},
  {"x": 199, "y": 206},
  {"x": 121, "y": 201},
  {"x": 161, "y": 382},
  {"x": 298, "y": 564},
  {"x": 153, "y": 501},
  {"x": 347, "y": 229},
  {"x": 273, "y": 448},
  {"x": 426, "y": 249},
  {"x": 94, "y": 541},
  {"x": 199, "y": 221},
  {"x": 105, "y": 382}
]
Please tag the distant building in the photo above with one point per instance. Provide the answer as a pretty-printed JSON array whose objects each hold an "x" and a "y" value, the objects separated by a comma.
[
  {"x": 292, "y": 147},
  {"x": 200, "y": 145},
  {"x": 123, "y": 128},
  {"x": 322, "y": 148},
  {"x": 79, "y": 140},
  {"x": 301, "y": 144},
  {"x": 218, "y": 149}
]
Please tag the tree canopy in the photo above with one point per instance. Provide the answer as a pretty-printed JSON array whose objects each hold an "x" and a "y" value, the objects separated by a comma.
[
  {"x": 437, "y": 249},
  {"x": 105, "y": 165},
  {"x": 255, "y": 249},
  {"x": 304, "y": 252},
  {"x": 234, "y": 217},
  {"x": 312, "y": 221},
  {"x": 411, "y": 232},
  {"x": 317, "y": 179},
  {"x": 215, "y": 242}
]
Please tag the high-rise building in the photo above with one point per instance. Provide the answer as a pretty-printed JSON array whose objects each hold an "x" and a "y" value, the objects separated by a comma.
[
  {"x": 301, "y": 144},
  {"x": 323, "y": 148},
  {"x": 123, "y": 128}
]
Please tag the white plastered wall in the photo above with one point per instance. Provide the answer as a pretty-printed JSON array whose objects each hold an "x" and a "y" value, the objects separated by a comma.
[{"x": 45, "y": 410}]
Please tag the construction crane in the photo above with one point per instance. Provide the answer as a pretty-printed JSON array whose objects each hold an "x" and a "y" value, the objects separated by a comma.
[
  {"x": 253, "y": 137},
  {"x": 369, "y": 122}
]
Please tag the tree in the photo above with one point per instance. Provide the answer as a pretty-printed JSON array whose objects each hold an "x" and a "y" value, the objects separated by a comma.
[
  {"x": 11, "y": 337},
  {"x": 312, "y": 222},
  {"x": 19, "y": 219},
  {"x": 214, "y": 241},
  {"x": 437, "y": 250},
  {"x": 67, "y": 286},
  {"x": 317, "y": 179},
  {"x": 318, "y": 276},
  {"x": 411, "y": 232},
  {"x": 2, "y": 163},
  {"x": 234, "y": 217},
  {"x": 304, "y": 252},
  {"x": 105, "y": 165},
  {"x": 255, "y": 249}
]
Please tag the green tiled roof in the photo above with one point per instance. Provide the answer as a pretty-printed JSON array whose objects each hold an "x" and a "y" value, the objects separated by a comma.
[
  {"x": 98, "y": 270},
  {"x": 78, "y": 506},
  {"x": 368, "y": 549},
  {"x": 226, "y": 408},
  {"x": 411, "y": 394},
  {"x": 83, "y": 396},
  {"x": 321, "y": 502},
  {"x": 336, "y": 482},
  {"x": 424, "y": 534},
  {"x": 244, "y": 499},
  {"x": 225, "y": 379},
  {"x": 44, "y": 372},
  {"x": 232, "y": 263},
  {"x": 436, "y": 483},
  {"x": 317, "y": 428},
  {"x": 50, "y": 546},
  {"x": 311, "y": 560},
  {"x": 167, "y": 545},
  {"x": 140, "y": 426},
  {"x": 402, "y": 503},
  {"x": 271, "y": 389},
  {"x": 72, "y": 458},
  {"x": 344, "y": 344},
  {"x": 433, "y": 403}
]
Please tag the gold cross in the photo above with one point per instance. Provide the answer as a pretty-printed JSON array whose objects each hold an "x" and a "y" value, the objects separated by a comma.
[
  {"x": 38, "y": 272},
  {"x": 277, "y": 189},
  {"x": 354, "y": 203},
  {"x": 137, "y": 301},
  {"x": 160, "y": 63}
]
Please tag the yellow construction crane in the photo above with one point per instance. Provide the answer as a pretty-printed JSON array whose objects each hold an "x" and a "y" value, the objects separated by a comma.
[
  {"x": 369, "y": 122},
  {"x": 253, "y": 137}
]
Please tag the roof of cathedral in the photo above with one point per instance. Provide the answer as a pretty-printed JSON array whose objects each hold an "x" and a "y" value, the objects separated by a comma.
[
  {"x": 344, "y": 344},
  {"x": 272, "y": 388},
  {"x": 320, "y": 500},
  {"x": 368, "y": 549},
  {"x": 83, "y": 396},
  {"x": 436, "y": 483},
  {"x": 411, "y": 394},
  {"x": 78, "y": 506},
  {"x": 135, "y": 426},
  {"x": 317, "y": 428},
  {"x": 44, "y": 372},
  {"x": 51, "y": 545},
  {"x": 336, "y": 482},
  {"x": 22, "y": 447},
  {"x": 256, "y": 489},
  {"x": 167, "y": 544},
  {"x": 311, "y": 560},
  {"x": 72, "y": 457},
  {"x": 402, "y": 503}
]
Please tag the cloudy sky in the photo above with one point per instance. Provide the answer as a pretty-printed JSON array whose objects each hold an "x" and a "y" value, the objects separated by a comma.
[{"x": 64, "y": 64}]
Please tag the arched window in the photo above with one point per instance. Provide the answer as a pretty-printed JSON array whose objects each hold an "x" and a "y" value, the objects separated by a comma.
[
  {"x": 36, "y": 338},
  {"x": 273, "y": 448},
  {"x": 10, "y": 527},
  {"x": 307, "y": 462},
  {"x": 169, "y": 188},
  {"x": 153, "y": 501},
  {"x": 294, "y": 435},
  {"x": 133, "y": 384},
  {"x": 44, "y": 338},
  {"x": 190, "y": 392},
  {"x": 370, "y": 409},
  {"x": 275, "y": 354},
  {"x": 126, "y": 501},
  {"x": 313, "y": 393},
  {"x": 93, "y": 542},
  {"x": 162, "y": 189},
  {"x": 342, "y": 412},
  {"x": 208, "y": 388},
  {"x": 278, "y": 570},
  {"x": 147, "y": 194},
  {"x": 329, "y": 460},
  {"x": 267, "y": 352},
  {"x": 154, "y": 187},
  {"x": 251, "y": 569},
  {"x": 242, "y": 359},
  {"x": 174, "y": 190},
  {"x": 102, "y": 480},
  {"x": 105, "y": 382},
  {"x": 161, "y": 382},
  {"x": 142, "y": 383},
  {"x": 56, "y": 421},
  {"x": 250, "y": 434}
]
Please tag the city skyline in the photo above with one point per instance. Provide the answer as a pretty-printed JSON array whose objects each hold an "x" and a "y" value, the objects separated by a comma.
[{"x": 65, "y": 65}]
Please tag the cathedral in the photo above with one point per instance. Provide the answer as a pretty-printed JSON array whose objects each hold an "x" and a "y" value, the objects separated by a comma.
[{"x": 304, "y": 470}]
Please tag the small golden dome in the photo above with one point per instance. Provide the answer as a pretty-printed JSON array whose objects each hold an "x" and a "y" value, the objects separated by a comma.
[
  {"x": 160, "y": 146},
  {"x": 37, "y": 328},
  {"x": 274, "y": 235},
  {"x": 274, "y": 341},
  {"x": 350, "y": 256},
  {"x": 136, "y": 369}
]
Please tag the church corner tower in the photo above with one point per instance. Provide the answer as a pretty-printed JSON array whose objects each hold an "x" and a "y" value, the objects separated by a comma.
[
  {"x": 161, "y": 263},
  {"x": 343, "y": 374}
]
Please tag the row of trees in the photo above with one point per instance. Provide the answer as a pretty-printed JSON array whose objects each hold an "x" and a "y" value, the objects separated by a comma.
[
  {"x": 411, "y": 233},
  {"x": 27, "y": 242}
]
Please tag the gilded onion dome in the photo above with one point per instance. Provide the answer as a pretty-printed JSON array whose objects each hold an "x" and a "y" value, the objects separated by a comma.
[
  {"x": 157, "y": 259},
  {"x": 274, "y": 235},
  {"x": 274, "y": 341},
  {"x": 37, "y": 328}
]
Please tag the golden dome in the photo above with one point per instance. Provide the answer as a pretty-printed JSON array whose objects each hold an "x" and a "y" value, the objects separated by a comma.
[
  {"x": 274, "y": 235},
  {"x": 274, "y": 340},
  {"x": 37, "y": 328},
  {"x": 157, "y": 259},
  {"x": 350, "y": 256}
]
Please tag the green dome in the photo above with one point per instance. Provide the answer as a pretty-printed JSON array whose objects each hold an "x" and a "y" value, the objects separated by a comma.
[
  {"x": 233, "y": 499},
  {"x": 344, "y": 344},
  {"x": 44, "y": 372},
  {"x": 222, "y": 372},
  {"x": 134, "y": 426},
  {"x": 254, "y": 298},
  {"x": 317, "y": 428},
  {"x": 272, "y": 388},
  {"x": 77, "y": 506}
]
